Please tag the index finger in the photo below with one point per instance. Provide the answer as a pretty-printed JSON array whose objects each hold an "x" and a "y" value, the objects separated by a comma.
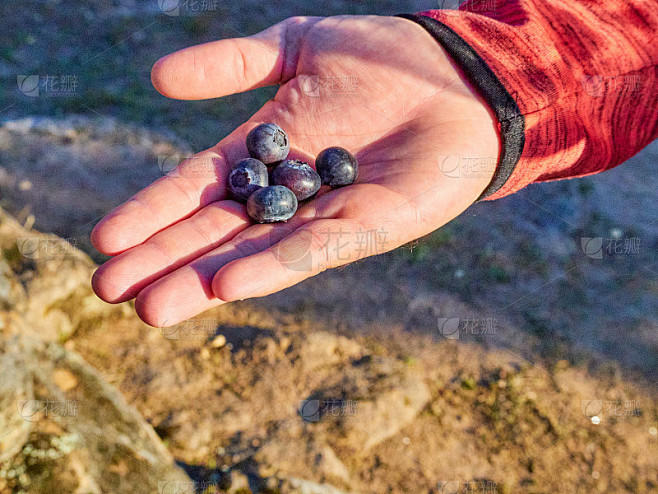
[
  {"x": 233, "y": 65},
  {"x": 195, "y": 183}
]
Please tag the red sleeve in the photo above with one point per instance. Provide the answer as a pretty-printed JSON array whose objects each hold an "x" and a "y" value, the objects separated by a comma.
[{"x": 573, "y": 82}]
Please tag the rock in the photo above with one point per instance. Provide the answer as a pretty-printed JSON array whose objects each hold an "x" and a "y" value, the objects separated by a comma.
[
  {"x": 284, "y": 344},
  {"x": 49, "y": 281},
  {"x": 391, "y": 403},
  {"x": 64, "y": 379},
  {"x": 6, "y": 299},
  {"x": 329, "y": 465},
  {"x": 278, "y": 456},
  {"x": 322, "y": 349},
  {"x": 219, "y": 341},
  {"x": 239, "y": 483},
  {"x": 57, "y": 413},
  {"x": 78, "y": 440}
]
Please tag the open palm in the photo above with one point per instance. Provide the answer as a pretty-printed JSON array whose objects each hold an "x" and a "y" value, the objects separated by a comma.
[{"x": 381, "y": 87}]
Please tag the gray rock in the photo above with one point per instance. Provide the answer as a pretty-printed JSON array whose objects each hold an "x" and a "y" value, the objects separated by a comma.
[
  {"x": 61, "y": 423},
  {"x": 391, "y": 404},
  {"x": 278, "y": 455},
  {"x": 89, "y": 429},
  {"x": 47, "y": 281}
]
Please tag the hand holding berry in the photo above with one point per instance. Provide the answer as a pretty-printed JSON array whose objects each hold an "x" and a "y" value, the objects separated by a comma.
[{"x": 182, "y": 245}]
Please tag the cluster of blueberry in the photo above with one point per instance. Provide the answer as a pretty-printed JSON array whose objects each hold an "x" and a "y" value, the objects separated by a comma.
[{"x": 291, "y": 180}]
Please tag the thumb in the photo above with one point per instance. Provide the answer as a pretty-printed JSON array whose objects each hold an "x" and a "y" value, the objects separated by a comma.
[{"x": 232, "y": 65}]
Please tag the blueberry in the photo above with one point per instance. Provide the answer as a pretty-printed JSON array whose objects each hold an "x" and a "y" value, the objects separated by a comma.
[
  {"x": 337, "y": 167},
  {"x": 246, "y": 177},
  {"x": 268, "y": 143},
  {"x": 298, "y": 176},
  {"x": 271, "y": 204}
]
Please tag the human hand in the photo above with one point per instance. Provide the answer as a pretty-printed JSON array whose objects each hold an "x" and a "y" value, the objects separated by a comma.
[{"x": 182, "y": 246}]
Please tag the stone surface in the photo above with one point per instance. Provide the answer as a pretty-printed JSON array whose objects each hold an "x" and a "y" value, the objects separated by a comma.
[{"x": 61, "y": 417}]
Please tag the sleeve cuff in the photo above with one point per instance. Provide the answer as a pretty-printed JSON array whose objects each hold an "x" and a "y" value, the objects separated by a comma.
[{"x": 510, "y": 119}]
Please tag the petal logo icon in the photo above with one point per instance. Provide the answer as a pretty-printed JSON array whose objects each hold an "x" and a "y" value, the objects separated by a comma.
[
  {"x": 591, "y": 408},
  {"x": 449, "y": 327},
  {"x": 176, "y": 487},
  {"x": 449, "y": 4},
  {"x": 449, "y": 166},
  {"x": 168, "y": 163},
  {"x": 309, "y": 85},
  {"x": 28, "y": 409},
  {"x": 28, "y": 85},
  {"x": 169, "y": 7},
  {"x": 593, "y": 85},
  {"x": 309, "y": 410},
  {"x": 293, "y": 251},
  {"x": 450, "y": 487},
  {"x": 171, "y": 332},
  {"x": 28, "y": 247},
  {"x": 592, "y": 247}
]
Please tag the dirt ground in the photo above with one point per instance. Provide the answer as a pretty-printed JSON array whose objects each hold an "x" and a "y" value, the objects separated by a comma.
[{"x": 514, "y": 350}]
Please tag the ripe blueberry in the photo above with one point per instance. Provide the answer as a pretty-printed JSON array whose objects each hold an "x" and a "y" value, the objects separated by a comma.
[
  {"x": 337, "y": 167},
  {"x": 246, "y": 177},
  {"x": 271, "y": 204},
  {"x": 298, "y": 176},
  {"x": 268, "y": 143}
]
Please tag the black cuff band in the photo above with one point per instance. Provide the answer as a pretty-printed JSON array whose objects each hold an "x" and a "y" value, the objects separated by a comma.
[{"x": 512, "y": 122}]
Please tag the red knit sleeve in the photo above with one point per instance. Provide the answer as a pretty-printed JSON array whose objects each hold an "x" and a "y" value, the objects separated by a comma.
[{"x": 579, "y": 80}]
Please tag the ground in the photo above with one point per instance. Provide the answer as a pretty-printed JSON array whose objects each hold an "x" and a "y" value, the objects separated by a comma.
[{"x": 513, "y": 350}]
